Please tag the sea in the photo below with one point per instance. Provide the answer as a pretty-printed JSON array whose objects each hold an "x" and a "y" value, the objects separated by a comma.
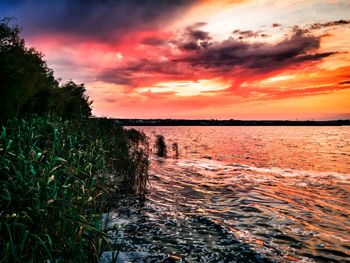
[{"x": 239, "y": 194}]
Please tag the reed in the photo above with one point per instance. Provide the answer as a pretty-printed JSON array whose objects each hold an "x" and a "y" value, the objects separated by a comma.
[
  {"x": 160, "y": 145},
  {"x": 175, "y": 147},
  {"x": 56, "y": 179}
]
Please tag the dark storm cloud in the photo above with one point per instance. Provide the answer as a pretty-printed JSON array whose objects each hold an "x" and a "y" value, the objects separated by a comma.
[
  {"x": 101, "y": 19},
  {"x": 224, "y": 58},
  {"x": 149, "y": 66},
  {"x": 261, "y": 57},
  {"x": 127, "y": 75},
  {"x": 194, "y": 38}
]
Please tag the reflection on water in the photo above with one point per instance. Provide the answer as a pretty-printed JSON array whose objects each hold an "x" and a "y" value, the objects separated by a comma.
[{"x": 242, "y": 194}]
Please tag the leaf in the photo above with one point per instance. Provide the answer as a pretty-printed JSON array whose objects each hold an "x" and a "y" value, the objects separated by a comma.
[
  {"x": 24, "y": 240},
  {"x": 60, "y": 159},
  {"x": 3, "y": 134},
  {"x": 38, "y": 155},
  {"x": 32, "y": 170},
  {"x": 55, "y": 168},
  {"x": 9, "y": 144}
]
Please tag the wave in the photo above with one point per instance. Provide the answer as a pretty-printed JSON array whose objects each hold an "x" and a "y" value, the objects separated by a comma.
[
  {"x": 278, "y": 211},
  {"x": 215, "y": 165}
]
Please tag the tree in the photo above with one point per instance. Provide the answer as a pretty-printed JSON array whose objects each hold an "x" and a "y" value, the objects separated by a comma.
[
  {"x": 24, "y": 75},
  {"x": 28, "y": 86},
  {"x": 70, "y": 101}
]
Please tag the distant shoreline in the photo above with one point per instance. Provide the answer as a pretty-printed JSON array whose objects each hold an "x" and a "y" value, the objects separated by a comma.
[{"x": 181, "y": 122}]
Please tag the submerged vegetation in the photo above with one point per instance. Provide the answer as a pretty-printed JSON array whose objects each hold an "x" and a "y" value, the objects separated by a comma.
[
  {"x": 161, "y": 148},
  {"x": 59, "y": 169},
  {"x": 175, "y": 147}
]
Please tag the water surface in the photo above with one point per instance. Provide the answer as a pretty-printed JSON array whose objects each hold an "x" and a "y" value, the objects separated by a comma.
[{"x": 242, "y": 194}]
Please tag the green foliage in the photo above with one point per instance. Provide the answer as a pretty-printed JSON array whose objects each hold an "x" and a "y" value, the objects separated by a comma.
[
  {"x": 23, "y": 73},
  {"x": 70, "y": 101},
  {"x": 160, "y": 145},
  {"x": 9, "y": 37},
  {"x": 28, "y": 86},
  {"x": 56, "y": 178}
]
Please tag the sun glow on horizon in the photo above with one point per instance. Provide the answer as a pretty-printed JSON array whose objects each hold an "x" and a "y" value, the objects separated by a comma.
[
  {"x": 186, "y": 88},
  {"x": 278, "y": 78}
]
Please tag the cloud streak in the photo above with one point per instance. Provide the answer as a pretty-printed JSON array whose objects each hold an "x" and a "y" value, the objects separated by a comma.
[{"x": 317, "y": 26}]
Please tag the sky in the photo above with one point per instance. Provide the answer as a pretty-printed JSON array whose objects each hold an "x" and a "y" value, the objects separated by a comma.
[{"x": 197, "y": 59}]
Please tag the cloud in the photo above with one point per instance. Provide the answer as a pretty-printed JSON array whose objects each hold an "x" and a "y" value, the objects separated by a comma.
[
  {"x": 154, "y": 41},
  {"x": 274, "y": 93},
  {"x": 249, "y": 34},
  {"x": 120, "y": 77},
  {"x": 146, "y": 72},
  {"x": 193, "y": 38},
  {"x": 231, "y": 60},
  {"x": 316, "y": 26},
  {"x": 110, "y": 100},
  {"x": 219, "y": 59},
  {"x": 231, "y": 54},
  {"x": 102, "y": 20},
  {"x": 309, "y": 28}
]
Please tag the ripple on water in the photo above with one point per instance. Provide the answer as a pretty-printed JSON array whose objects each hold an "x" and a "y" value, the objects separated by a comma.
[
  {"x": 243, "y": 194},
  {"x": 202, "y": 210}
]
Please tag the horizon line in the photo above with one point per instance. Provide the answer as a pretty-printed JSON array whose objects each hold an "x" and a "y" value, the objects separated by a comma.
[{"x": 213, "y": 119}]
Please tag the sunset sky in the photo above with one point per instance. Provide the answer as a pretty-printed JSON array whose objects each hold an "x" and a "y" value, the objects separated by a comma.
[{"x": 195, "y": 59}]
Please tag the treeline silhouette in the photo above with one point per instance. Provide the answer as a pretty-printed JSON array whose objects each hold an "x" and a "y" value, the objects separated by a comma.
[
  {"x": 28, "y": 85},
  {"x": 186, "y": 122}
]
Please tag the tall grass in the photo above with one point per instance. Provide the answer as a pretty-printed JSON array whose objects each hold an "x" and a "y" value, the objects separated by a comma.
[{"x": 56, "y": 178}]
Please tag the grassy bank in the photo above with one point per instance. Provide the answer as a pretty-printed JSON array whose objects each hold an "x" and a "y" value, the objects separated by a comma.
[{"x": 57, "y": 177}]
